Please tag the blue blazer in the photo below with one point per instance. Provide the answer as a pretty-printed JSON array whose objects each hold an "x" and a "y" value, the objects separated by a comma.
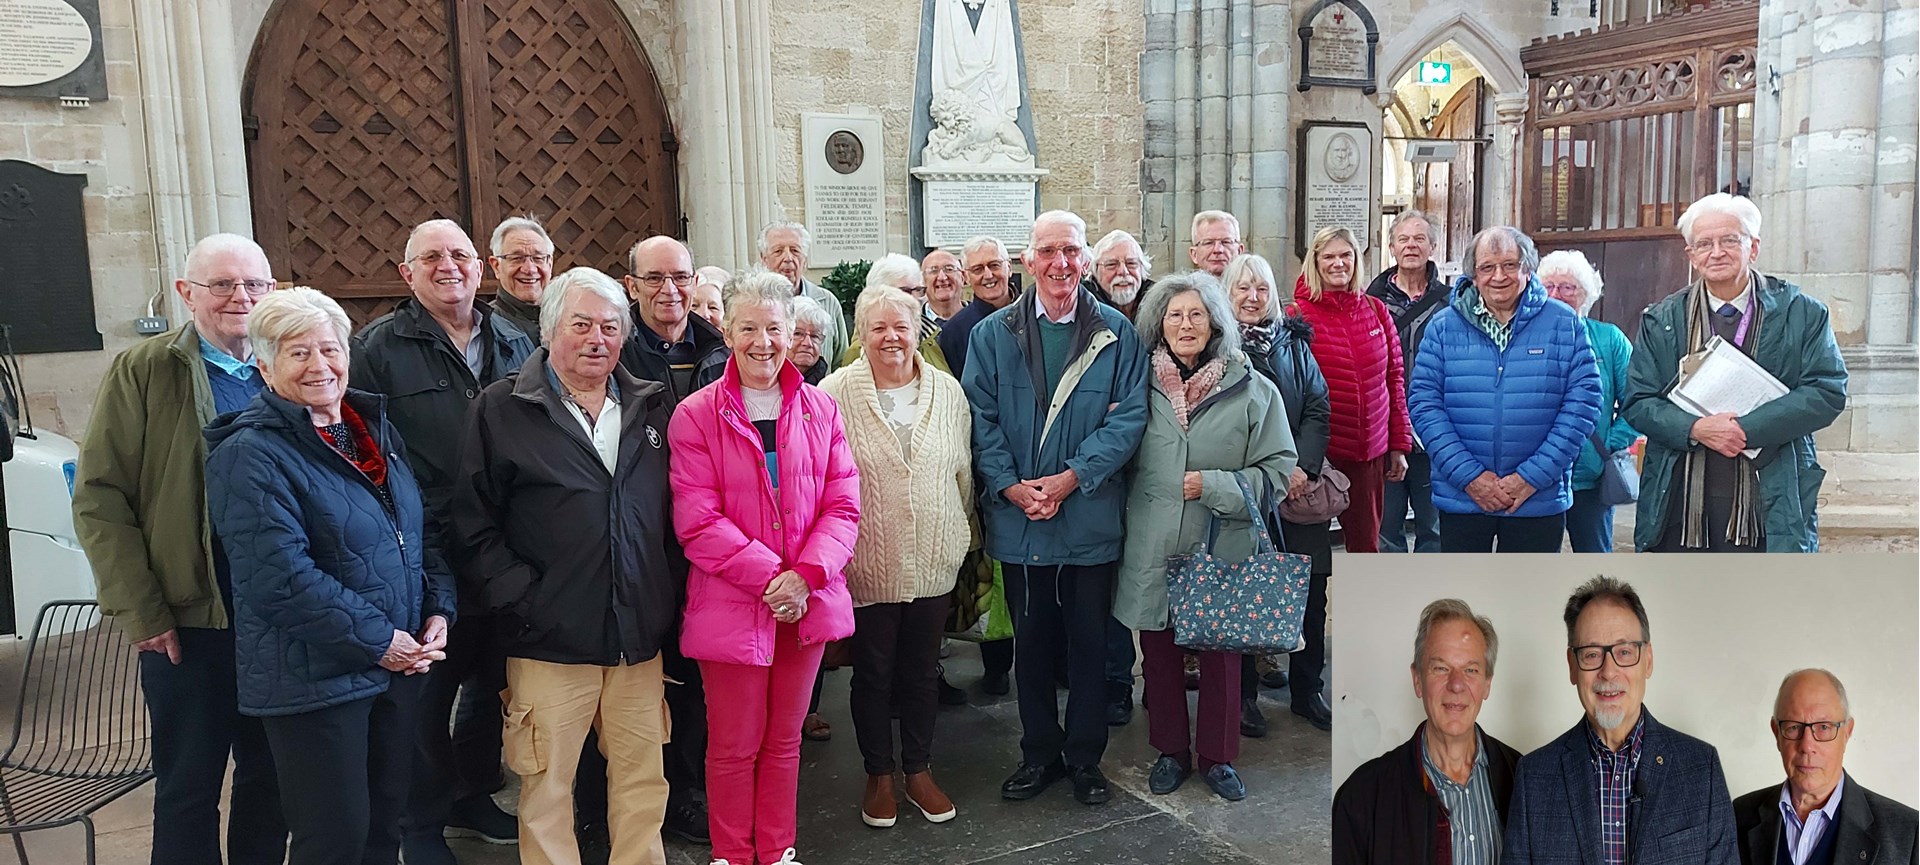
[{"x": 1683, "y": 815}]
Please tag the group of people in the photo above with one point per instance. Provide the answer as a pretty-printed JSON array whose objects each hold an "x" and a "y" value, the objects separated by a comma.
[
  {"x": 602, "y": 531},
  {"x": 1617, "y": 787}
]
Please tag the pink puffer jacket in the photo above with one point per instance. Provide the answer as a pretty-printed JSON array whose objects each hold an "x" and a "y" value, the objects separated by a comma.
[{"x": 739, "y": 533}]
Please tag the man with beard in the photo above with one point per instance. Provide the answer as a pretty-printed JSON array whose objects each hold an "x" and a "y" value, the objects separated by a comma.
[
  {"x": 941, "y": 272},
  {"x": 1620, "y": 786},
  {"x": 1120, "y": 272},
  {"x": 784, "y": 247},
  {"x": 1413, "y": 292},
  {"x": 522, "y": 263},
  {"x": 1216, "y": 240}
]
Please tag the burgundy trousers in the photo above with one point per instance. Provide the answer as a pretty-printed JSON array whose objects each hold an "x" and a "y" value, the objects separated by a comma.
[
  {"x": 1360, "y": 522},
  {"x": 1218, "y": 737}
]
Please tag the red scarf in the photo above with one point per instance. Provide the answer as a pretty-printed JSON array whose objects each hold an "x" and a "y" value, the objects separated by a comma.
[{"x": 370, "y": 463}]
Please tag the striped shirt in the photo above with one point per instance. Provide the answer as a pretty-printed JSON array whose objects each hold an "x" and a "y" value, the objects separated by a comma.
[
  {"x": 1615, "y": 770},
  {"x": 1801, "y": 837},
  {"x": 1468, "y": 811}
]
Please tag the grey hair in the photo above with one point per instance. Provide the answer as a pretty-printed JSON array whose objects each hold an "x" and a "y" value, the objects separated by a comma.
[
  {"x": 1208, "y": 217},
  {"x": 1067, "y": 217},
  {"x": 1453, "y": 610},
  {"x": 553, "y": 304},
  {"x": 1574, "y": 263},
  {"x": 1739, "y": 207},
  {"x": 214, "y": 244},
  {"x": 1407, "y": 216},
  {"x": 1846, "y": 708},
  {"x": 1250, "y": 264},
  {"x": 806, "y": 310},
  {"x": 711, "y": 275},
  {"x": 289, "y": 312},
  {"x": 983, "y": 241},
  {"x": 423, "y": 227},
  {"x": 1605, "y": 588},
  {"x": 756, "y": 288},
  {"x": 513, "y": 224},
  {"x": 1115, "y": 238},
  {"x": 806, "y": 237},
  {"x": 1502, "y": 236},
  {"x": 890, "y": 270},
  {"x": 1225, "y": 338},
  {"x": 878, "y": 297}
]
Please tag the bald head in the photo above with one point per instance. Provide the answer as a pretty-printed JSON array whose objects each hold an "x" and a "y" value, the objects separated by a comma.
[
  {"x": 661, "y": 284},
  {"x": 1811, "y": 683}
]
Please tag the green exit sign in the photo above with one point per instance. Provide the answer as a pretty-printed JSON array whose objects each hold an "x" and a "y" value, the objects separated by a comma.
[{"x": 1435, "y": 72}]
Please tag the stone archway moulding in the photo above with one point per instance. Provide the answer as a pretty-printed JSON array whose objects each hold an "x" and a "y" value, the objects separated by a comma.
[{"x": 1441, "y": 23}]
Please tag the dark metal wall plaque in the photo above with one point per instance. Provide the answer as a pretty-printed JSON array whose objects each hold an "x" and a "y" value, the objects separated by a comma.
[
  {"x": 51, "y": 49},
  {"x": 1338, "y": 44},
  {"x": 46, "y": 280}
]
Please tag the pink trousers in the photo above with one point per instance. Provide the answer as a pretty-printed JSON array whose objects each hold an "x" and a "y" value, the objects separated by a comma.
[{"x": 753, "y": 749}]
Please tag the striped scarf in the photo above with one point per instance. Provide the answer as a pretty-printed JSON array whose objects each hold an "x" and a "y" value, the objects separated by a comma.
[{"x": 1744, "y": 528}]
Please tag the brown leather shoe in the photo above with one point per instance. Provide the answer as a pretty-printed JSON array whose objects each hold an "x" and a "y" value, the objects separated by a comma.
[
  {"x": 816, "y": 729},
  {"x": 877, "y": 807},
  {"x": 926, "y": 796}
]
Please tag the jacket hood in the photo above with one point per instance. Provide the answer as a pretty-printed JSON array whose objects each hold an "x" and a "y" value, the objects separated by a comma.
[
  {"x": 1297, "y": 328},
  {"x": 272, "y": 411},
  {"x": 1533, "y": 299}
]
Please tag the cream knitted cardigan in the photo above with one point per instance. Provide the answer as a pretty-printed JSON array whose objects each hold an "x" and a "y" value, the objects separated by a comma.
[{"x": 915, "y": 525}]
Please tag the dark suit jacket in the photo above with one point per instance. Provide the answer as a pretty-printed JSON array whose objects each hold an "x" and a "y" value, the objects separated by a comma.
[
  {"x": 1683, "y": 816},
  {"x": 1383, "y": 814},
  {"x": 1874, "y": 830}
]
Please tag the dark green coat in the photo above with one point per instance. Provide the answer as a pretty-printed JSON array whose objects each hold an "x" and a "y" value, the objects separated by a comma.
[{"x": 1796, "y": 345}]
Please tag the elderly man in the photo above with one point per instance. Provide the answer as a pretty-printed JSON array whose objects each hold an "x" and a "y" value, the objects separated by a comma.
[
  {"x": 1216, "y": 240},
  {"x": 1120, "y": 272},
  {"x": 784, "y": 247},
  {"x": 1058, "y": 385},
  {"x": 140, "y": 507},
  {"x": 561, "y": 511},
  {"x": 670, "y": 345},
  {"x": 1442, "y": 796},
  {"x": 1820, "y": 816},
  {"x": 894, "y": 270},
  {"x": 1505, "y": 390},
  {"x": 1413, "y": 292},
  {"x": 1620, "y": 786},
  {"x": 988, "y": 271},
  {"x": 522, "y": 263},
  {"x": 941, "y": 271},
  {"x": 431, "y": 356},
  {"x": 1726, "y": 482}
]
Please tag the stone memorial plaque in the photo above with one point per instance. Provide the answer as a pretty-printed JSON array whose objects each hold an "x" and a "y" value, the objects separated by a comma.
[
  {"x": 845, "y": 176},
  {"x": 46, "y": 280},
  {"x": 51, "y": 48},
  {"x": 959, "y": 210},
  {"x": 1336, "y": 174},
  {"x": 1338, "y": 41}
]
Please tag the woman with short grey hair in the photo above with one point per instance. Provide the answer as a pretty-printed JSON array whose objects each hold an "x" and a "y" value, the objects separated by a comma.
[
  {"x": 811, "y": 324},
  {"x": 1569, "y": 278}
]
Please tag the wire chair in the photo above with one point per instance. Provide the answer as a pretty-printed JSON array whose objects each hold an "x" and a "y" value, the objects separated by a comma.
[{"x": 80, "y": 736}]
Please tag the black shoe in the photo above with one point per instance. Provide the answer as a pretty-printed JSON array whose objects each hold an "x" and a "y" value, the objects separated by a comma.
[
  {"x": 687, "y": 821},
  {"x": 1089, "y": 786},
  {"x": 1167, "y": 774},
  {"x": 478, "y": 817},
  {"x": 1274, "y": 679},
  {"x": 1029, "y": 780},
  {"x": 1253, "y": 725},
  {"x": 950, "y": 695},
  {"x": 596, "y": 846},
  {"x": 1316, "y": 711},
  {"x": 1225, "y": 782},
  {"x": 1119, "y": 704},
  {"x": 995, "y": 684},
  {"x": 426, "y": 848}
]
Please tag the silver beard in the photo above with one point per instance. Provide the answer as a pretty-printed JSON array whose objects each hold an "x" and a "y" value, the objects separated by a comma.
[{"x": 1126, "y": 295}]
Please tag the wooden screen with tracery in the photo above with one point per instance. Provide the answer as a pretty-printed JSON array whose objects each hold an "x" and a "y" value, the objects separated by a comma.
[{"x": 366, "y": 117}]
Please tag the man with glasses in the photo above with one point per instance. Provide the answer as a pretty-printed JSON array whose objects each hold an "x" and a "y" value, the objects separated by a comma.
[
  {"x": 140, "y": 508},
  {"x": 522, "y": 263},
  {"x": 1058, "y": 386},
  {"x": 785, "y": 248},
  {"x": 431, "y": 356},
  {"x": 1120, "y": 272},
  {"x": 1216, "y": 240},
  {"x": 1413, "y": 292},
  {"x": 1727, "y": 482},
  {"x": 1620, "y": 786},
  {"x": 941, "y": 271},
  {"x": 671, "y": 345},
  {"x": 1820, "y": 816}
]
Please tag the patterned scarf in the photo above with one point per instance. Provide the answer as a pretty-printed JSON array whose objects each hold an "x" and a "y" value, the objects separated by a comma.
[
  {"x": 352, "y": 440},
  {"x": 1257, "y": 339},
  {"x": 1186, "y": 394},
  {"x": 1744, "y": 527}
]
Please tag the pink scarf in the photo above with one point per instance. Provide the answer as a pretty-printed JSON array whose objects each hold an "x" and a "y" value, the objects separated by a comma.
[{"x": 1186, "y": 394}]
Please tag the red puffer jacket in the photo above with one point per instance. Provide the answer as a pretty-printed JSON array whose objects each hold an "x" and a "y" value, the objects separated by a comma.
[{"x": 1359, "y": 352}]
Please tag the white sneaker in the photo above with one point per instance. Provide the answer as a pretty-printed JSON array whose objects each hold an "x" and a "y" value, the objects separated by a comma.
[{"x": 786, "y": 858}]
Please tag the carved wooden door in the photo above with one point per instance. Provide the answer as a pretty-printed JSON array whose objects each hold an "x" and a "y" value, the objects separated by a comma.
[{"x": 367, "y": 117}]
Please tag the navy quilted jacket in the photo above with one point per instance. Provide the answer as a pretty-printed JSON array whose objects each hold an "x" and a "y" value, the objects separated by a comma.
[
  {"x": 322, "y": 574},
  {"x": 1525, "y": 409}
]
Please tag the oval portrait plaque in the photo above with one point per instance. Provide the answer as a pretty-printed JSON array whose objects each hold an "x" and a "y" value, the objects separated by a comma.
[{"x": 41, "y": 41}]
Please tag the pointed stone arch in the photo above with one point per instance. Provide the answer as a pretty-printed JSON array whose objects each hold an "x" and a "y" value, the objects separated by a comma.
[{"x": 1496, "y": 55}]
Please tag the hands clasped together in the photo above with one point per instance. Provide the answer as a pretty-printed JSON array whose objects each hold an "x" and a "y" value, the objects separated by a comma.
[
  {"x": 414, "y": 656},
  {"x": 1040, "y": 498},
  {"x": 787, "y": 595},
  {"x": 1496, "y": 494}
]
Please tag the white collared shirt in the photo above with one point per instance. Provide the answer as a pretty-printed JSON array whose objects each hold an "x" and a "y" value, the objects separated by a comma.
[
  {"x": 604, "y": 433},
  {"x": 1040, "y": 311}
]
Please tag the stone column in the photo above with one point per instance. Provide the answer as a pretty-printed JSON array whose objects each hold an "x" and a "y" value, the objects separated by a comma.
[
  {"x": 1270, "y": 215},
  {"x": 726, "y": 144},
  {"x": 1503, "y": 159}
]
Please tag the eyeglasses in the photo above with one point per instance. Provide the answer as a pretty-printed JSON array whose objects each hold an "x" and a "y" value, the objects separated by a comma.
[
  {"x": 809, "y": 336},
  {"x": 256, "y": 288},
  {"x": 1562, "y": 288},
  {"x": 517, "y": 259},
  {"x": 1197, "y": 317},
  {"x": 433, "y": 257},
  {"x": 655, "y": 280},
  {"x": 1128, "y": 263},
  {"x": 1624, "y": 655},
  {"x": 1731, "y": 243},
  {"x": 997, "y": 266},
  {"x": 915, "y": 290},
  {"x": 1071, "y": 250},
  {"x": 948, "y": 269},
  {"x": 1216, "y": 243},
  {"x": 1510, "y": 268},
  {"x": 1823, "y": 731}
]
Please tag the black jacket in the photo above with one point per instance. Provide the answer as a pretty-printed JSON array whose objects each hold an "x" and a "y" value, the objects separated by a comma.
[
  {"x": 1290, "y": 365},
  {"x": 1874, "y": 830},
  {"x": 580, "y": 566},
  {"x": 645, "y": 358},
  {"x": 1093, "y": 285},
  {"x": 523, "y": 315},
  {"x": 1410, "y": 316},
  {"x": 1383, "y": 814}
]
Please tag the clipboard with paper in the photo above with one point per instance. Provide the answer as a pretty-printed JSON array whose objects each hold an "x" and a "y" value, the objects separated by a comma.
[{"x": 1721, "y": 378}]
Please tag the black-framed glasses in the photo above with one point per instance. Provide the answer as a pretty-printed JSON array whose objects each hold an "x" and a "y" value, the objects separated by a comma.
[
  {"x": 655, "y": 280},
  {"x": 1624, "y": 654},
  {"x": 256, "y": 288},
  {"x": 1823, "y": 731}
]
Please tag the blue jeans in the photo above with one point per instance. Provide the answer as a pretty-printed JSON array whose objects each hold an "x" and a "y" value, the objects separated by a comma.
[
  {"x": 1589, "y": 526},
  {"x": 1416, "y": 490}
]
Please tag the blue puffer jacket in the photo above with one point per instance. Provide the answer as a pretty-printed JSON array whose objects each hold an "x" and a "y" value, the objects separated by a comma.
[
  {"x": 1612, "y": 353},
  {"x": 322, "y": 574},
  {"x": 1525, "y": 409}
]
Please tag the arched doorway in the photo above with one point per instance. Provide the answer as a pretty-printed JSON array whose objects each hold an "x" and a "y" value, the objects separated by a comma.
[
  {"x": 1443, "y": 182},
  {"x": 366, "y": 117}
]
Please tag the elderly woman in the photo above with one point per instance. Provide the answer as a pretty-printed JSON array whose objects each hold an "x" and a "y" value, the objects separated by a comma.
[
  {"x": 1359, "y": 355},
  {"x": 707, "y": 284},
  {"x": 560, "y": 518},
  {"x": 1569, "y": 278},
  {"x": 1504, "y": 392},
  {"x": 811, "y": 325},
  {"x": 911, "y": 434},
  {"x": 1281, "y": 348},
  {"x": 1212, "y": 423},
  {"x": 338, "y": 605},
  {"x": 767, "y": 505}
]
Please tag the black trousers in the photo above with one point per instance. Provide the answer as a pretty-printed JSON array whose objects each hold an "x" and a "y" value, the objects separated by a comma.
[
  {"x": 1487, "y": 533},
  {"x": 345, "y": 773},
  {"x": 684, "y": 760},
  {"x": 1060, "y": 615},
  {"x": 193, "y": 714},
  {"x": 896, "y": 659},
  {"x": 463, "y": 764},
  {"x": 996, "y": 657}
]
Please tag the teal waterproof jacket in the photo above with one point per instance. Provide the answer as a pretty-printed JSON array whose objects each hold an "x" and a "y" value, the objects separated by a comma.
[{"x": 1611, "y": 352}]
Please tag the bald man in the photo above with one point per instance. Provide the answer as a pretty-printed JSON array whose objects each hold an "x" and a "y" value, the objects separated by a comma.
[{"x": 670, "y": 343}]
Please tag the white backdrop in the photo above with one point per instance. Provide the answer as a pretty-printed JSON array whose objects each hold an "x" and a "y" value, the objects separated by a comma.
[{"x": 1725, "y": 630}]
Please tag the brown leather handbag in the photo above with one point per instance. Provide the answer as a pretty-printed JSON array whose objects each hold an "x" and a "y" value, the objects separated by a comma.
[{"x": 1323, "y": 499}]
